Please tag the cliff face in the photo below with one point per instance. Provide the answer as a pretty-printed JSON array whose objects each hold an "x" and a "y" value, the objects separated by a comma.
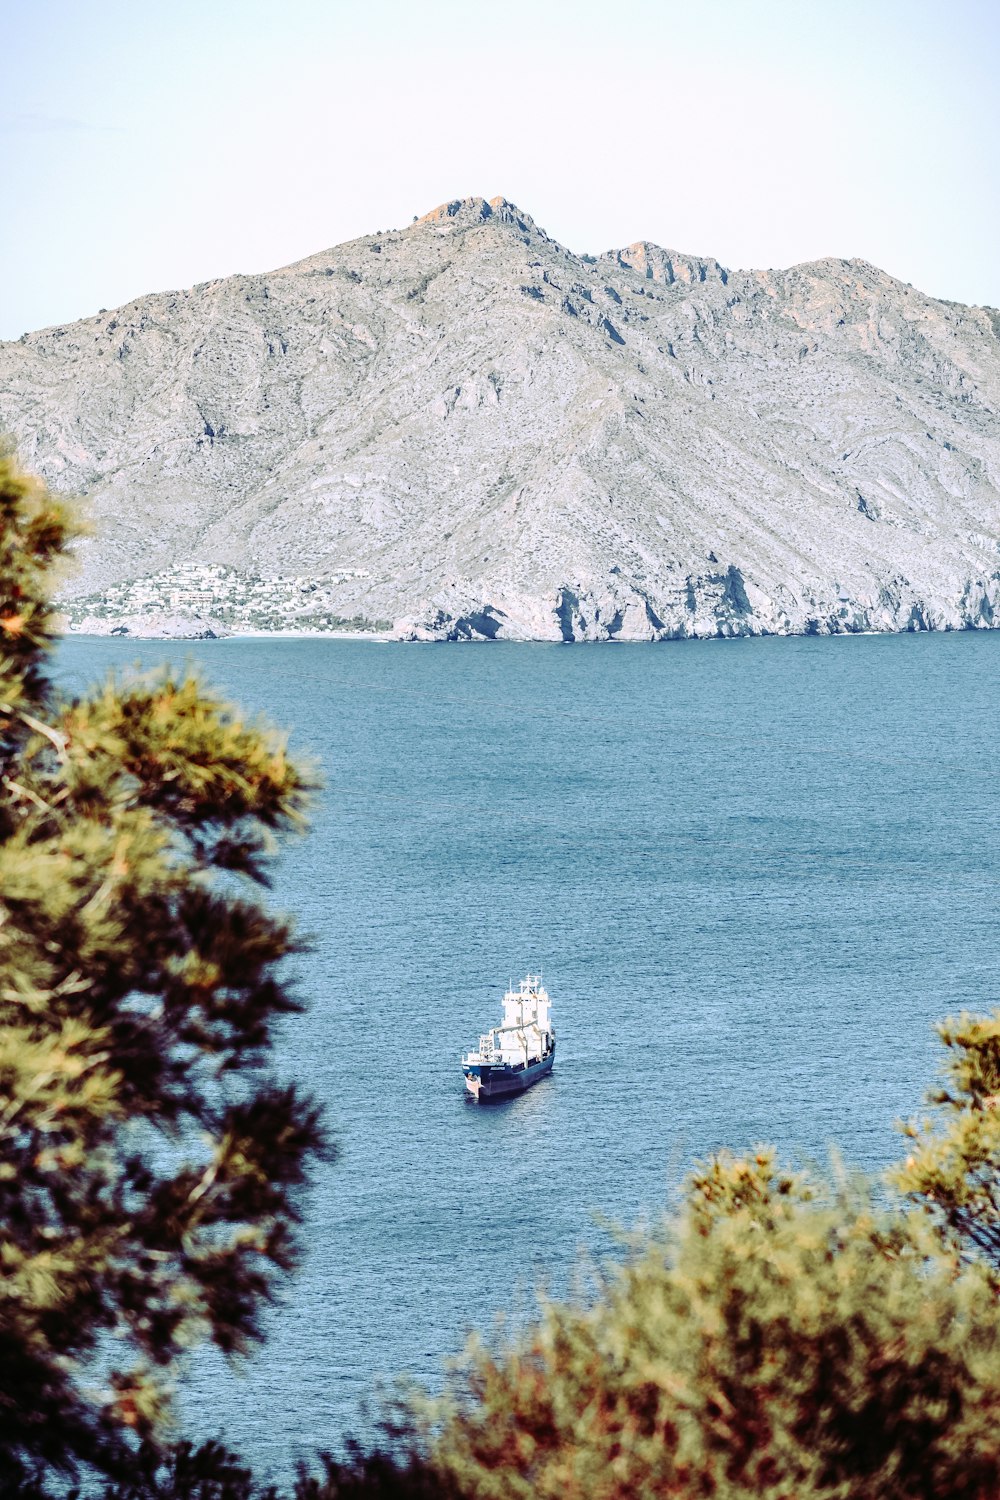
[{"x": 514, "y": 441}]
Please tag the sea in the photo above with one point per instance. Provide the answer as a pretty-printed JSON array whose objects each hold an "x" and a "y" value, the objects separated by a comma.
[{"x": 753, "y": 875}]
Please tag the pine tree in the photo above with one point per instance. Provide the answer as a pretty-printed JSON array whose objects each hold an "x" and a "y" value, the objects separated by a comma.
[{"x": 150, "y": 1164}]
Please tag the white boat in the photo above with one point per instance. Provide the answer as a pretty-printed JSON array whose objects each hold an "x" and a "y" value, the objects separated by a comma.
[{"x": 518, "y": 1052}]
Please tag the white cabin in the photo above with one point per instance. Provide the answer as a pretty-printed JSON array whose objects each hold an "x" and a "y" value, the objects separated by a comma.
[{"x": 525, "y": 1034}]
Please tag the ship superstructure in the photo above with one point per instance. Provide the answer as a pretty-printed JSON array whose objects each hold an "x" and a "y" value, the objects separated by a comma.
[{"x": 515, "y": 1054}]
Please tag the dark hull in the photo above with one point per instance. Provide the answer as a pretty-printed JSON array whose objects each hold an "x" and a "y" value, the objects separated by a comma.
[{"x": 503, "y": 1083}]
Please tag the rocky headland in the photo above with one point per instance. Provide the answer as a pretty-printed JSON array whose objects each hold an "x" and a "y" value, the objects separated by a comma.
[
  {"x": 466, "y": 429},
  {"x": 149, "y": 627}
]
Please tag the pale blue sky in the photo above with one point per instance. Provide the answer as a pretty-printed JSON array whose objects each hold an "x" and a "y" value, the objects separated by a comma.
[{"x": 154, "y": 143}]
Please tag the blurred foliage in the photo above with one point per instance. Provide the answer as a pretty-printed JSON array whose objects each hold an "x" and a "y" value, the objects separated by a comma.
[
  {"x": 779, "y": 1337},
  {"x": 953, "y": 1168},
  {"x": 775, "y": 1339},
  {"x": 212, "y": 1473},
  {"x": 150, "y": 1165}
]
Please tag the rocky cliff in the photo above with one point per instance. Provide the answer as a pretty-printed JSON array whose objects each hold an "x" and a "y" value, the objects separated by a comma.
[{"x": 476, "y": 433}]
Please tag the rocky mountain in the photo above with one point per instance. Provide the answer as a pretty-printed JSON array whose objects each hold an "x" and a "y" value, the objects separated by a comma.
[{"x": 469, "y": 430}]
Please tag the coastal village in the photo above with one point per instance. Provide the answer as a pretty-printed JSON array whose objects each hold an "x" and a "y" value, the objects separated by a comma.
[{"x": 211, "y": 599}]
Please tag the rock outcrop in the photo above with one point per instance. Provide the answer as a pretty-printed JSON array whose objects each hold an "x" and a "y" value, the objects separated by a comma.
[
  {"x": 154, "y": 627},
  {"x": 482, "y": 435}
]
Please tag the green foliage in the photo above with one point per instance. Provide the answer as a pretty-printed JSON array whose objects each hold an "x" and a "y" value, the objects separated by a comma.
[
  {"x": 148, "y": 1197},
  {"x": 188, "y": 1473},
  {"x": 212, "y": 1473},
  {"x": 954, "y": 1166},
  {"x": 35, "y": 530},
  {"x": 777, "y": 1339}
]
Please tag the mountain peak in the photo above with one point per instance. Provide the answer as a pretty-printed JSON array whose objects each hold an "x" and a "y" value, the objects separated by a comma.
[
  {"x": 466, "y": 213},
  {"x": 667, "y": 266}
]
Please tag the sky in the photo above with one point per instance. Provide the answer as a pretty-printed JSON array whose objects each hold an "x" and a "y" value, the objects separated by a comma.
[{"x": 152, "y": 144}]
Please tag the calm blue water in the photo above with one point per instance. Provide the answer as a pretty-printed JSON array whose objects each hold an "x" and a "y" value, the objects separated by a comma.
[{"x": 753, "y": 873}]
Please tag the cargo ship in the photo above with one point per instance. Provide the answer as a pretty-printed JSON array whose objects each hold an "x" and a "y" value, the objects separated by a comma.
[{"x": 518, "y": 1052}]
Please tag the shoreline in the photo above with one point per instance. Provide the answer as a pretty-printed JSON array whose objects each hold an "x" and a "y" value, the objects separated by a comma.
[
  {"x": 380, "y": 638},
  {"x": 390, "y": 637},
  {"x": 387, "y": 639}
]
